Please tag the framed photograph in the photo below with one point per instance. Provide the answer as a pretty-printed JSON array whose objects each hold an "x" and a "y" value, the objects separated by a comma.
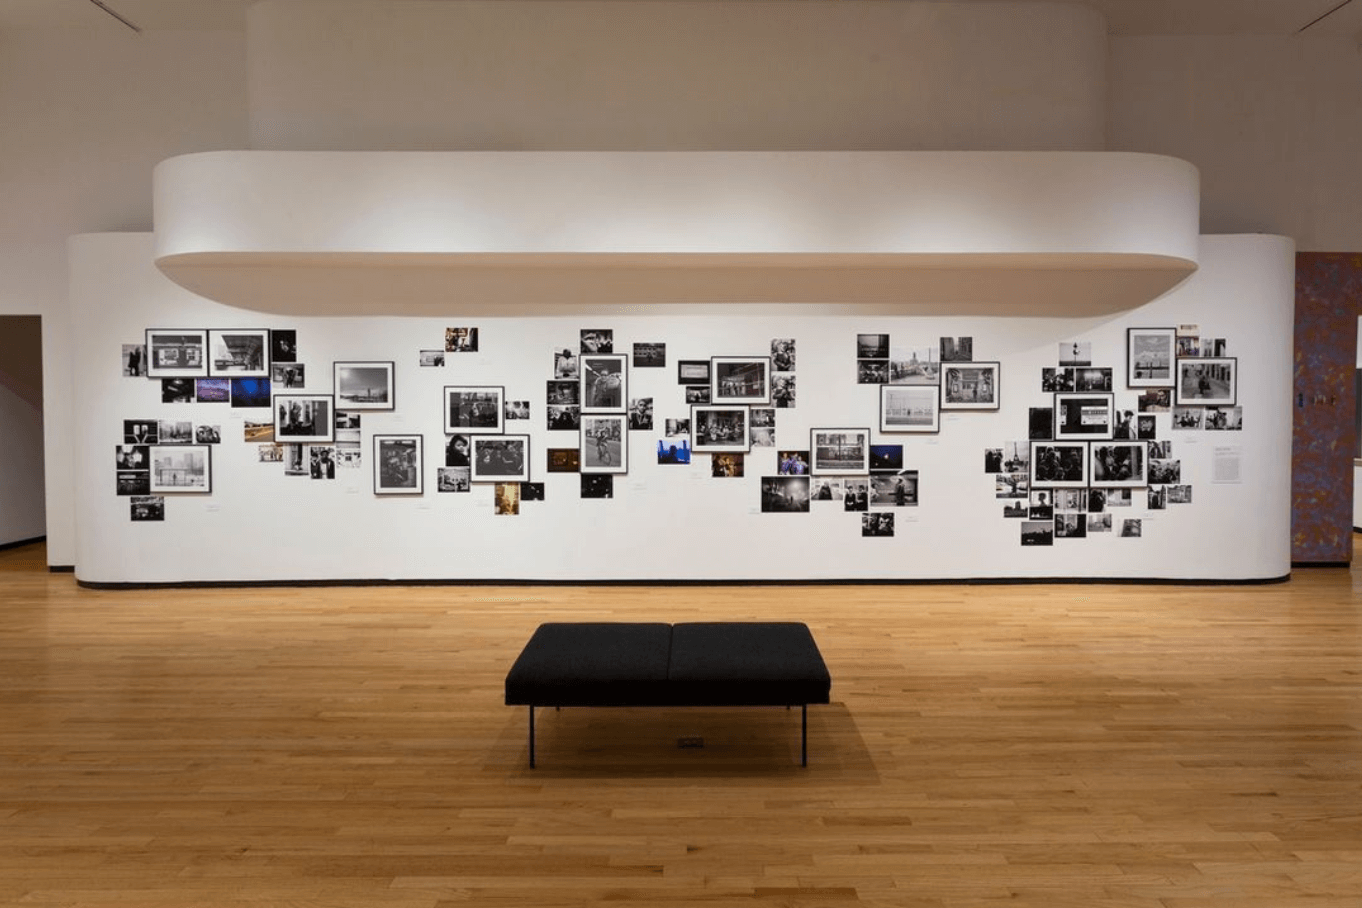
[
  {"x": 501, "y": 458},
  {"x": 1149, "y": 357},
  {"x": 740, "y": 379},
  {"x": 364, "y": 386},
  {"x": 1119, "y": 464},
  {"x": 1084, "y": 415},
  {"x": 910, "y": 408},
  {"x": 1207, "y": 381},
  {"x": 692, "y": 372},
  {"x": 719, "y": 429},
  {"x": 181, "y": 468},
  {"x": 969, "y": 386},
  {"x": 604, "y": 444},
  {"x": 840, "y": 452},
  {"x": 300, "y": 418},
  {"x": 474, "y": 408},
  {"x": 176, "y": 353},
  {"x": 605, "y": 382},
  {"x": 1059, "y": 464},
  {"x": 239, "y": 352},
  {"x": 398, "y": 464}
]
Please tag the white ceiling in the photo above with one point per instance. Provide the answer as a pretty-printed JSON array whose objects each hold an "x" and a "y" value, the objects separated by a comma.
[{"x": 1124, "y": 17}]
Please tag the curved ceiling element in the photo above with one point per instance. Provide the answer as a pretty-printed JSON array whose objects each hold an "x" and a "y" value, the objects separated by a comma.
[{"x": 416, "y": 233}]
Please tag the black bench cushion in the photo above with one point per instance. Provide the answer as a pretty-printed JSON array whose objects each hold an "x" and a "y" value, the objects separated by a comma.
[
  {"x": 592, "y": 664},
  {"x": 731, "y": 663}
]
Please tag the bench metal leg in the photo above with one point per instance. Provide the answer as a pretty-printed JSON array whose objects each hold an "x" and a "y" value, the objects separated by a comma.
[
  {"x": 531, "y": 737},
  {"x": 804, "y": 735}
]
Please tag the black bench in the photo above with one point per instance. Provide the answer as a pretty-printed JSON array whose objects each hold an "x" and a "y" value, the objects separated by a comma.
[{"x": 727, "y": 663}]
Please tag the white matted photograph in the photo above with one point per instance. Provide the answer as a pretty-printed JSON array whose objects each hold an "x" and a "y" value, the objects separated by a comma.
[
  {"x": 1059, "y": 464},
  {"x": 398, "y": 464},
  {"x": 740, "y": 379},
  {"x": 364, "y": 386},
  {"x": 500, "y": 458},
  {"x": 840, "y": 451},
  {"x": 239, "y": 352},
  {"x": 1089, "y": 416},
  {"x": 970, "y": 386},
  {"x": 1119, "y": 464},
  {"x": 910, "y": 408},
  {"x": 604, "y": 443},
  {"x": 181, "y": 468},
  {"x": 176, "y": 353},
  {"x": 1207, "y": 381},
  {"x": 1149, "y": 357},
  {"x": 605, "y": 382},
  {"x": 474, "y": 408},
  {"x": 717, "y": 429}
]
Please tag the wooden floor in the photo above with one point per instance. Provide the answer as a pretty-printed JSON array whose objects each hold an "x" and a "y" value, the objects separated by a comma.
[{"x": 1072, "y": 745}]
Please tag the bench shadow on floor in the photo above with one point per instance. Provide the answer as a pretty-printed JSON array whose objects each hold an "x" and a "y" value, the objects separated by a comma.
[{"x": 750, "y": 742}]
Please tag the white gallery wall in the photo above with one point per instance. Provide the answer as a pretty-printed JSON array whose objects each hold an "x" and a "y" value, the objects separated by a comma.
[{"x": 673, "y": 521}]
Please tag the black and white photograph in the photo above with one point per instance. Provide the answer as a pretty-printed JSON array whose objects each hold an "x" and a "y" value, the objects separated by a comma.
[
  {"x": 532, "y": 491},
  {"x": 914, "y": 366},
  {"x": 1132, "y": 528},
  {"x": 1015, "y": 509},
  {"x": 176, "y": 353},
  {"x": 295, "y": 460},
  {"x": 181, "y": 468},
  {"x": 872, "y": 346},
  {"x": 1146, "y": 427},
  {"x": 239, "y": 352},
  {"x": 970, "y": 387},
  {"x": 461, "y": 340},
  {"x": 1056, "y": 464},
  {"x": 872, "y": 371},
  {"x": 1157, "y": 498},
  {"x": 207, "y": 434},
  {"x": 1038, "y": 532},
  {"x": 1207, "y": 381},
  {"x": 1160, "y": 450},
  {"x": 877, "y": 524},
  {"x": 562, "y": 392},
  {"x": 597, "y": 340},
  {"x": 1181, "y": 494},
  {"x": 506, "y": 499},
  {"x": 826, "y": 488},
  {"x": 1071, "y": 525},
  {"x": 1187, "y": 418},
  {"x": 784, "y": 494},
  {"x": 474, "y": 409},
  {"x": 856, "y": 493},
  {"x": 762, "y": 436},
  {"x": 1016, "y": 457},
  {"x": 251, "y": 392},
  {"x": 134, "y": 360},
  {"x": 566, "y": 364},
  {"x": 697, "y": 394},
  {"x": 176, "y": 432},
  {"x": 1075, "y": 353},
  {"x": 650, "y": 355},
  {"x": 283, "y": 345},
  {"x": 430, "y": 359},
  {"x": 792, "y": 463},
  {"x": 133, "y": 482},
  {"x": 1118, "y": 498},
  {"x": 1042, "y": 505},
  {"x": 674, "y": 427},
  {"x": 910, "y": 408},
  {"x": 1090, "y": 416},
  {"x": 1119, "y": 464},
  {"x": 1052, "y": 380},
  {"x": 676, "y": 452},
  {"x": 740, "y": 379},
  {"x": 148, "y": 507},
  {"x": 302, "y": 418},
  {"x": 458, "y": 451},
  {"x": 270, "y": 453},
  {"x": 1092, "y": 378},
  {"x": 1156, "y": 400},
  {"x": 1040, "y": 423},
  {"x": 213, "y": 390},
  {"x": 840, "y": 451},
  {"x": 598, "y": 485},
  {"x": 886, "y": 458},
  {"x": 1223, "y": 419},
  {"x": 501, "y": 458},
  {"x": 1149, "y": 357},
  {"x": 727, "y": 466},
  {"x": 719, "y": 429},
  {"x": 604, "y": 443},
  {"x": 398, "y": 465},
  {"x": 133, "y": 457},
  {"x": 956, "y": 349},
  {"x": 605, "y": 387},
  {"x": 178, "y": 390},
  {"x": 893, "y": 490},
  {"x": 993, "y": 460},
  {"x": 285, "y": 376},
  {"x": 762, "y": 417},
  {"x": 1164, "y": 472},
  {"x": 322, "y": 461},
  {"x": 141, "y": 431},
  {"x": 517, "y": 409},
  {"x": 1012, "y": 485},
  {"x": 692, "y": 372},
  {"x": 783, "y": 390},
  {"x": 453, "y": 479},
  {"x": 563, "y": 460},
  {"x": 365, "y": 386},
  {"x": 1123, "y": 425},
  {"x": 783, "y": 354}
]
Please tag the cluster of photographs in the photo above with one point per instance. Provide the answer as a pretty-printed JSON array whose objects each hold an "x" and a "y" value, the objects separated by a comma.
[
  {"x": 918, "y": 382},
  {"x": 1087, "y": 452}
]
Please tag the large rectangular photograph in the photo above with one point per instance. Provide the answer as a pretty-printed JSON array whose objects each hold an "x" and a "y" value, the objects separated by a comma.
[
  {"x": 1059, "y": 464},
  {"x": 176, "y": 353},
  {"x": 840, "y": 452},
  {"x": 181, "y": 468},
  {"x": 475, "y": 408},
  {"x": 364, "y": 386},
  {"x": 740, "y": 379},
  {"x": 1120, "y": 464},
  {"x": 604, "y": 446},
  {"x": 501, "y": 458},
  {"x": 605, "y": 382},
  {"x": 970, "y": 386},
  {"x": 239, "y": 352},
  {"x": 719, "y": 429},
  {"x": 302, "y": 418}
]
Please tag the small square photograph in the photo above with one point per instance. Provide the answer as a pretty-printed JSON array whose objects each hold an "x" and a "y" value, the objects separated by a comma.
[
  {"x": 762, "y": 417},
  {"x": 1185, "y": 418},
  {"x": 1163, "y": 472},
  {"x": 134, "y": 360},
  {"x": 651, "y": 355},
  {"x": 784, "y": 494},
  {"x": 1041, "y": 423},
  {"x": 1180, "y": 494},
  {"x": 176, "y": 432},
  {"x": 506, "y": 498},
  {"x": 239, "y": 351},
  {"x": 673, "y": 451},
  {"x": 826, "y": 488},
  {"x": 1075, "y": 353},
  {"x": 1097, "y": 501},
  {"x": 1038, "y": 532},
  {"x": 1189, "y": 345},
  {"x": 641, "y": 414},
  {"x": 1157, "y": 499},
  {"x": 993, "y": 460},
  {"x": 792, "y": 463},
  {"x": 674, "y": 427},
  {"x": 283, "y": 345},
  {"x": 213, "y": 390},
  {"x": 453, "y": 479},
  {"x": 559, "y": 418},
  {"x": 532, "y": 491},
  {"x": 1214, "y": 346},
  {"x": 957, "y": 349},
  {"x": 429, "y": 359},
  {"x": 141, "y": 431},
  {"x": 783, "y": 354},
  {"x": 1016, "y": 456},
  {"x": 322, "y": 461},
  {"x": 783, "y": 390},
  {"x": 598, "y": 485},
  {"x": 697, "y": 395},
  {"x": 287, "y": 375},
  {"x": 517, "y": 409},
  {"x": 148, "y": 507},
  {"x": 886, "y": 458},
  {"x": 872, "y": 346},
  {"x": 461, "y": 340},
  {"x": 1071, "y": 525},
  {"x": 1099, "y": 523},
  {"x": 1161, "y": 450},
  {"x": 881, "y": 524},
  {"x": 270, "y": 453},
  {"x": 725, "y": 466},
  {"x": 458, "y": 450},
  {"x": 597, "y": 340},
  {"x": 207, "y": 435},
  {"x": 177, "y": 390},
  {"x": 762, "y": 436},
  {"x": 1041, "y": 505},
  {"x": 914, "y": 366},
  {"x": 1146, "y": 427},
  {"x": 257, "y": 432},
  {"x": 1156, "y": 400},
  {"x": 563, "y": 460},
  {"x": 1012, "y": 485},
  {"x": 134, "y": 482},
  {"x": 692, "y": 372},
  {"x": 894, "y": 490},
  {"x": 1132, "y": 528},
  {"x": 349, "y": 454},
  {"x": 250, "y": 392},
  {"x": 566, "y": 364},
  {"x": 132, "y": 457},
  {"x": 856, "y": 494},
  {"x": 872, "y": 371}
]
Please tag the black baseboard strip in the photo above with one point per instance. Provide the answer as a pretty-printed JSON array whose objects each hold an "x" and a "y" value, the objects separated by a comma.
[
  {"x": 1321, "y": 564},
  {"x": 20, "y": 543},
  {"x": 62, "y": 568},
  {"x": 520, "y": 581}
]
